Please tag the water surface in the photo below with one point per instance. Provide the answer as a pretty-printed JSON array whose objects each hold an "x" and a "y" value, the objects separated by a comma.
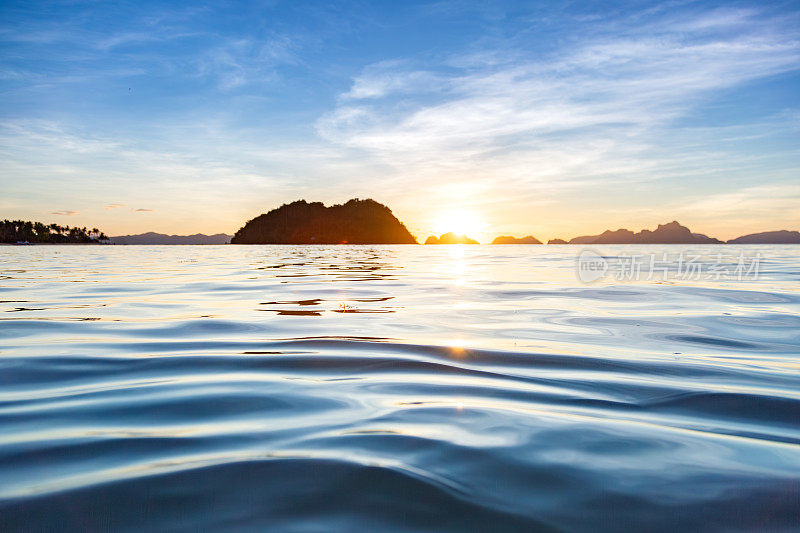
[{"x": 315, "y": 388}]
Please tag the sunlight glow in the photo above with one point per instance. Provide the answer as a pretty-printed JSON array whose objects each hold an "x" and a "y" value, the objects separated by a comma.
[{"x": 462, "y": 222}]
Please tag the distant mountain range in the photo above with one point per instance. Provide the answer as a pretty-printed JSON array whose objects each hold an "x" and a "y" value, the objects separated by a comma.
[
  {"x": 369, "y": 222},
  {"x": 160, "y": 238},
  {"x": 674, "y": 233},
  {"x": 769, "y": 237},
  {"x": 671, "y": 233}
]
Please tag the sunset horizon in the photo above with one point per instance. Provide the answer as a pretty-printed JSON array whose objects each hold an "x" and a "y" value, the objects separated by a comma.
[
  {"x": 399, "y": 266},
  {"x": 528, "y": 120}
]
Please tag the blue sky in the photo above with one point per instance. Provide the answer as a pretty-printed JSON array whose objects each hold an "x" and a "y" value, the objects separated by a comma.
[{"x": 509, "y": 117}]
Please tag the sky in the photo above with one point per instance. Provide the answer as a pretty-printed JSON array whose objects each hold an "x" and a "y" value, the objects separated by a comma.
[{"x": 554, "y": 119}]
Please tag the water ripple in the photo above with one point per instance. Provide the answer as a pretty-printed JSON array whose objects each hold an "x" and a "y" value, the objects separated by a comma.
[{"x": 391, "y": 388}]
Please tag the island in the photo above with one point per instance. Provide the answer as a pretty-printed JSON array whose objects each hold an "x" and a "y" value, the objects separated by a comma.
[
  {"x": 557, "y": 241},
  {"x": 300, "y": 222},
  {"x": 769, "y": 237},
  {"x": 160, "y": 238},
  {"x": 28, "y": 232},
  {"x": 508, "y": 239},
  {"x": 450, "y": 238},
  {"x": 671, "y": 233}
]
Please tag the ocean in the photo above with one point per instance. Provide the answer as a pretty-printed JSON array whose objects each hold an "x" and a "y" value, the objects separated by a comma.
[{"x": 399, "y": 388}]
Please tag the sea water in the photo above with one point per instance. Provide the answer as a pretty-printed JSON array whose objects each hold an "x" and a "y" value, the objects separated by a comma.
[{"x": 398, "y": 388}]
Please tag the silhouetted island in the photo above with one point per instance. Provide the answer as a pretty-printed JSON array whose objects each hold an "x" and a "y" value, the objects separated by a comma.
[
  {"x": 769, "y": 237},
  {"x": 557, "y": 241},
  {"x": 160, "y": 238},
  {"x": 25, "y": 231},
  {"x": 450, "y": 238},
  {"x": 301, "y": 222},
  {"x": 672, "y": 233},
  {"x": 508, "y": 239}
]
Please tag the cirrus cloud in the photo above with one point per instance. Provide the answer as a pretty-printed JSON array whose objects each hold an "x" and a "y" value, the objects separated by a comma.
[{"x": 595, "y": 110}]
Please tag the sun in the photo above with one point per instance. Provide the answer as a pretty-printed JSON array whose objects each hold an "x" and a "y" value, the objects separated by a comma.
[{"x": 462, "y": 222}]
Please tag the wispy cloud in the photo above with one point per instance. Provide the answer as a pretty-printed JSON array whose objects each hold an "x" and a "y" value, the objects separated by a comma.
[
  {"x": 762, "y": 201},
  {"x": 594, "y": 111},
  {"x": 64, "y": 212},
  {"x": 393, "y": 77},
  {"x": 142, "y": 210},
  {"x": 747, "y": 209},
  {"x": 161, "y": 41},
  {"x": 239, "y": 62},
  {"x": 548, "y": 112}
]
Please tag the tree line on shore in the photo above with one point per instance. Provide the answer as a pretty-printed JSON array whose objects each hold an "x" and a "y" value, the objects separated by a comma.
[{"x": 14, "y": 231}]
